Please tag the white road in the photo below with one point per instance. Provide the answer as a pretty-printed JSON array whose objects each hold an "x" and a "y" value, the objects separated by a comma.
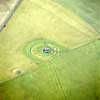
[{"x": 7, "y": 8}]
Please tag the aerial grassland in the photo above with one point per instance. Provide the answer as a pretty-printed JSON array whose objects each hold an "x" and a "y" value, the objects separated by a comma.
[{"x": 48, "y": 53}]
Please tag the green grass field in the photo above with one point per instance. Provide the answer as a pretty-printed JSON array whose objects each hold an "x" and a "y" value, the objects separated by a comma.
[
  {"x": 69, "y": 72},
  {"x": 88, "y": 10}
]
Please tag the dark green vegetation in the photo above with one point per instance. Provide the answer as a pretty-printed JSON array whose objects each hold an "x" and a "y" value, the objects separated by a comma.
[
  {"x": 49, "y": 53},
  {"x": 88, "y": 10}
]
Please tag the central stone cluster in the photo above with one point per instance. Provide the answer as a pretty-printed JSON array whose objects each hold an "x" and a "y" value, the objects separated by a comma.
[{"x": 47, "y": 50}]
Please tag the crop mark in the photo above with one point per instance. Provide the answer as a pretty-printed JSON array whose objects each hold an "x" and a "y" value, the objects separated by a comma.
[
  {"x": 42, "y": 50},
  {"x": 59, "y": 83}
]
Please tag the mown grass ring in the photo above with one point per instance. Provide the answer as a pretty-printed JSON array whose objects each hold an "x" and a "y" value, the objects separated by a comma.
[{"x": 42, "y": 49}]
